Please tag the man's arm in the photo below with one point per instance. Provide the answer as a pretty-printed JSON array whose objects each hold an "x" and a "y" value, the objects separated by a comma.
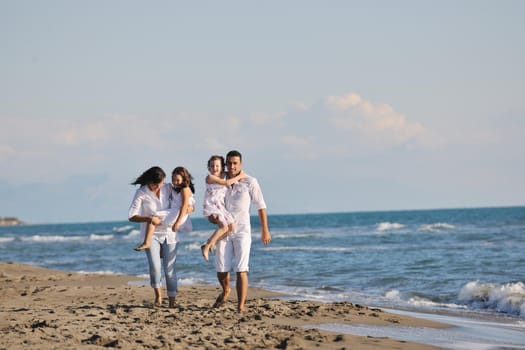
[{"x": 265, "y": 231}]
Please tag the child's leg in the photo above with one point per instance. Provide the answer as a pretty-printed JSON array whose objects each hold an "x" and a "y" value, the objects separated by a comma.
[
  {"x": 219, "y": 233},
  {"x": 147, "y": 238}
]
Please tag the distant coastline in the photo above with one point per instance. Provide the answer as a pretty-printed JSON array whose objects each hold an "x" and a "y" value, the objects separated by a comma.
[{"x": 10, "y": 221}]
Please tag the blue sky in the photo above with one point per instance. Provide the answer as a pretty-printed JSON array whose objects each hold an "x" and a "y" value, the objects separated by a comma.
[{"x": 337, "y": 106}]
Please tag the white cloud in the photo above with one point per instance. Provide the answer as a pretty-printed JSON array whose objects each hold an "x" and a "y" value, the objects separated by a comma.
[
  {"x": 260, "y": 118},
  {"x": 6, "y": 151},
  {"x": 353, "y": 113},
  {"x": 343, "y": 102},
  {"x": 334, "y": 126},
  {"x": 295, "y": 141},
  {"x": 346, "y": 125}
]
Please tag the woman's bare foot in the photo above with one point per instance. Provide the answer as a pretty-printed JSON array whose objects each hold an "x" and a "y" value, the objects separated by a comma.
[
  {"x": 141, "y": 247},
  {"x": 157, "y": 303},
  {"x": 171, "y": 302}
]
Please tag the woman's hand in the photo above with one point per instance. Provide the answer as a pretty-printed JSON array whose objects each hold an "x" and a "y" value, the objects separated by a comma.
[{"x": 155, "y": 220}]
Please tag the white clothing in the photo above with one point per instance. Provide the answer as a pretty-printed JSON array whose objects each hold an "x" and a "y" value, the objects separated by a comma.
[
  {"x": 238, "y": 199},
  {"x": 214, "y": 203},
  {"x": 236, "y": 247},
  {"x": 234, "y": 253},
  {"x": 169, "y": 216},
  {"x": 146, "y": 203}
]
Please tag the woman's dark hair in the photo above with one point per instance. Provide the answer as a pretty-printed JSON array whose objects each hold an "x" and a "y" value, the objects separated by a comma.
[
  {"x": 186, "y": 178},
  {"x": 219, "y": 158},
  {"x": 153, "y": 175}
]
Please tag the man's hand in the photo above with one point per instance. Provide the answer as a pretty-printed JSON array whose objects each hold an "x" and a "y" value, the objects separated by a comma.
[{"x": 266, "y": 238}]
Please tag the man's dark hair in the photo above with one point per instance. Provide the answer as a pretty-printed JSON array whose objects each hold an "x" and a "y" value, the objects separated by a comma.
[{"x": 234, "y": 154}]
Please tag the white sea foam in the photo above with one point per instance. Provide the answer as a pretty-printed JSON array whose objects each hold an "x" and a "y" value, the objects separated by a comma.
[
  {"x": 194, "y": 246},
  {"x": 101, "y": 272},
  {"x": 38, "y": 238},
  {"x": 508, "y": 298},
  {"x": 123, "y": 228},
  {"x": 426, "y": 303},
  {"x": 199, "y": 233},
  {"x": 95, "y": 237},
  {"x": 436, "y": 227},
  {"x": 318, "y": 249},
  {"x": 393, "y": 295},
  {"x": 192, "y": 282},
  {"x": 6, "y": 239},
  {"x": 132, "y": 234},
  {"x": 388, "y": 226},
  {"x": 297, "y": 235}
]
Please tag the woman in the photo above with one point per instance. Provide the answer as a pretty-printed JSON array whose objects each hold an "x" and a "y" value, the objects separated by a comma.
[
  {"x": 181, "y": 205},
  {"x": 152, "y": 196}
]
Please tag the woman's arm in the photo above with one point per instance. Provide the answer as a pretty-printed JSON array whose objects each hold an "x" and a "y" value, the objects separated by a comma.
[
  {"x": 136, "y": 211},
  {"x": 212, "y": 179}
]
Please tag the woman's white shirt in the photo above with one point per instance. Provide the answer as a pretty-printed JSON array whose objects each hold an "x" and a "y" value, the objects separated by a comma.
[{"x": 146, "y": 203}]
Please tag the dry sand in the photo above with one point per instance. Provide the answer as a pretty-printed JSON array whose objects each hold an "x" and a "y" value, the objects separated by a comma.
[{"x": 47, "y": 309}]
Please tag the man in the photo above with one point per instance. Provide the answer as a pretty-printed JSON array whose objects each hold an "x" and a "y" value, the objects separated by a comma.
[{"x": 234, "y": 250}]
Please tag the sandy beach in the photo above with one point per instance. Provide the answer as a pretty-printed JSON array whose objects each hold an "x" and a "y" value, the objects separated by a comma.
[{"x": 48, "y": 309}]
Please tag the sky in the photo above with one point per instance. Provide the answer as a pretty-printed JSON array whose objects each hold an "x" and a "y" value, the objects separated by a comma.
[{"x": 336, "y": 106}]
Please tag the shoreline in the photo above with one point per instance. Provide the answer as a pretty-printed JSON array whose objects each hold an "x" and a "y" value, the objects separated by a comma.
[{"x": 44, "y": 308}]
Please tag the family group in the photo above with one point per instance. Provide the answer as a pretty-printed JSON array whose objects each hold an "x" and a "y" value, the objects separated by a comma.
[{"x": 163, "y": 209}]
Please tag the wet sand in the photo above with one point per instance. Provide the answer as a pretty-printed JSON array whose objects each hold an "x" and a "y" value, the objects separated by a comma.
[{"x": 48, "y": 309}]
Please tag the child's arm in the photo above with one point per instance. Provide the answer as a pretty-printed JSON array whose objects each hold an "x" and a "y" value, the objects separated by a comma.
[
  {"x": 184, "y": 209},
  {"x": 212, "y": 179},
  {"x": 155, "y": 220}
]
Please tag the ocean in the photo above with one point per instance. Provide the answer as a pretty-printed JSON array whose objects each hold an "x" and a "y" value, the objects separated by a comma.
[{"x": 464, "y": 261}]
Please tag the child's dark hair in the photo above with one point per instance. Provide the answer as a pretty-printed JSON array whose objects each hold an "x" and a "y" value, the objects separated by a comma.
[
  {"x": 186, "y": 178},
  {"x": 219, "y": 158},
  {"x": 153, "y": 175}
]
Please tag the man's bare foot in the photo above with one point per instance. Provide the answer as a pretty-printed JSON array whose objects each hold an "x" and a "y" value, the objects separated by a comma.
[
  {"x": 141, "y": 247},
  {"x": 221, "y": 299},
  {"x": 227, "y": 293}
]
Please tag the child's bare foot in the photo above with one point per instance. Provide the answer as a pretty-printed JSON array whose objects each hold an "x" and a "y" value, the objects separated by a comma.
[
  {"x": 141, "y": 247},
  {"x": 204, "y": 250}
]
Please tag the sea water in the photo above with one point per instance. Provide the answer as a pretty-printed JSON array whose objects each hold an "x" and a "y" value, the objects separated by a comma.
[{"x": 468, "y": 261}]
